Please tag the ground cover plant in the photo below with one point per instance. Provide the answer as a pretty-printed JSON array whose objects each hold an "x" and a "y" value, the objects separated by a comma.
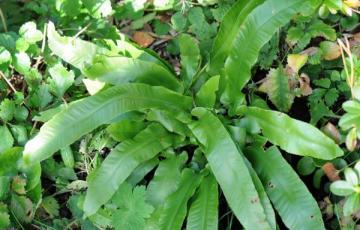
[{"x": 179, "y": 114}]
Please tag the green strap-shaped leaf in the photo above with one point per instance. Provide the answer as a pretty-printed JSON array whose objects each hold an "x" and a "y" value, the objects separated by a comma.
[
  {"x": 121, "y": 162},
  {"x": 175, "y": 207},
  {"x": 228, "y": 31},
  {"x": 206, "y": 96},
  {"x": 190, "y": 58},
  {"x": 166, "y": 179},
  {"x": 203, "y": 213},
  {"x": 169, "y": 120},
  {"x": 256, "y": 30},
  {"x": 290, "y": 197},
  {"x": 120, "y": 70},
  {"x": 126, "y": 48},
  {"x": 85, "y": 115},
  {"x": 264, "y": 199},
  {"x": 72, "y": 50},
  {"x": 294, "y": 136},
  {"x": 81, "y": 54},
  {"x": 229, "y": 169},
  {"x": 140, "y": 172}
]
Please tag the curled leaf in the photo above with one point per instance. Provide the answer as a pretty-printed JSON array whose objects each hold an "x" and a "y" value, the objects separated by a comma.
[
  {"x": 297, "y": 61},
  {"x": 330, "y": 50},
  {"x": 351, "y": 140}
]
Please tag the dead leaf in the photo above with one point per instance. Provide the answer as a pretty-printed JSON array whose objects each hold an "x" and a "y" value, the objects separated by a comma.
[
  {"x": 305, "y": 87},
  {"x": 351, "y": 140},
  {"x": 297, "y": 61},
  {"x": 330, "y": 50},
  {"x": 144, "y": 39},
  {"x": 331, "y": 172},
  {"x": 331, "y": 131}
]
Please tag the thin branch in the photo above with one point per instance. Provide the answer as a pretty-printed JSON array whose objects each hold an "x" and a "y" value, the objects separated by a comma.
[
  {"x": 350, "y": 77},
  {"x": 80, "y": 32},
  {"x": 8, "y": 82},
  {"x": 2, "y": 16},
  {"x": 42, "y": 47}
]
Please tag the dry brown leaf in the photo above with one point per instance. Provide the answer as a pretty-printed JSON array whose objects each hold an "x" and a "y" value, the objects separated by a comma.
[
  {"x": 305, "y": 87},
  {"x": 331, "y": 131},
  {"x": 144, "y": 39},
  {"x": 330, "y": 171}
]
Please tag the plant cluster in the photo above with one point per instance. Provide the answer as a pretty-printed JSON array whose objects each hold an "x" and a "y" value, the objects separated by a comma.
[{"x": 179, "y": 114}]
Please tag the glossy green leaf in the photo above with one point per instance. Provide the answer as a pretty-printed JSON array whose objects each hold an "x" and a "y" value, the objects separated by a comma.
[
  {"x": 125, "y": 129},
  {"x": 175, "y": 207},
  {"x": 67, "y": 156},
  {"x": 30, "y": 33},
  {"x": 256, "y": 30},
  {"x": 98, "y": 8},
  {"x": 206, "y": 97},
  {"x": 166, "y": 180},
  {"x": 220, "y": 151},
  {"x": 120, "y": 70},
  {"x": 5, "y": 56},
  {"x": 352, "y": 116},
  {"x": 190, "y": 58},
  {"x": 294, "y": 136},
  {"x": 264, "y": 199},
  {"x": 289, "y": 195},
  {"x": 7, "y": 140},
  {"x": 230, "y": 27},
  {"x": 140, "y": 172},
  {"x": 72, "y": 50},
  {"x": 7, "y": 110},
  {"x": 126, "y": 48},
  {"x": 306, "y": 166},
  {"x": 203, "y": 213},
  {"x": 8, "y": 160},
  {"x": 171, "y": 121},
  {"x": 85, "y": 115},
  {"x": 33, "y": 175},
  {"x": 19, "y": 133},
  {"x": 61, "y": 79},
  {"x": 342, "y": 188},
  {"x": 352, "y": 204},
  {"x": 351, "y": 176},
  {"x": 121, "y": 162}
]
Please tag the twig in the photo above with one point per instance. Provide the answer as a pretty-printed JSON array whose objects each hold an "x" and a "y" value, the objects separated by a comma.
[
  {"x": 3, "y": 20},
  {"x": 65, "y": 102},
  {"x": 42, "y": 46},
  {"x": 70, "y": 224},
  {"x": 8, "y": 82},
  {"x": 349, "y": 77},
  {"x": 80, "y": 32}
]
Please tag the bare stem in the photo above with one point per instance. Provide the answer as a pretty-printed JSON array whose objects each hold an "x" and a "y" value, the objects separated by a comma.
[
  {"x": 2, "y": 16},
  {"x": 7, "y": 82}
]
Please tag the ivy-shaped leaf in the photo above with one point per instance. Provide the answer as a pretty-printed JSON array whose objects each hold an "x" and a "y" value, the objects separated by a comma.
[
  {"x": 61, "y": 79},
  {"x": 132, "y": 208}
]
